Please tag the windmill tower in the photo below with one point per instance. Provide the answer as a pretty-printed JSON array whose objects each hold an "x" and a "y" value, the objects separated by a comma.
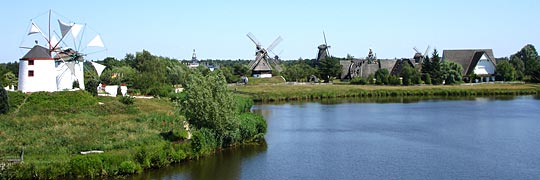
[
  {"x": 418, "y": 56},
  {"x": 323, "y": 50},
  {"x": 62, "y": 54},
  {"x": 263, "y": 65}
]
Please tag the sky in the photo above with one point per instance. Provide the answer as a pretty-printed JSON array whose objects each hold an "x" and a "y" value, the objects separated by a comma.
[{"x": 217, "y": 29}]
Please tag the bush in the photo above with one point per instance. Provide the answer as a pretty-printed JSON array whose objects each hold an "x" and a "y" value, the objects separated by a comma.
[
  {"x": 203, "y": 142},
  {"x": 359, "y": 81},
  {"x": 127, "y": 100},
  {"x": 129, "y": 167},
  {"x": 91, "y": 86},
  {"x": 4, "y": 101},
  {"x": 86, "y": 166},
  {"x": 252, "y": 127}
]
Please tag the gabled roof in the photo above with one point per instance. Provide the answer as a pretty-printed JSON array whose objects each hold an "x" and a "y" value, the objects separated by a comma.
[
  {"x": 468, "y": 58},
  {"x": 262, "y": 65},
  {"x": 37, "y": 53}
]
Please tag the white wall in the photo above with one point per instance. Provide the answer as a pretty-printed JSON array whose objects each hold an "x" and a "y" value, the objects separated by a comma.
[
  {"x": 484, "y": 66},
  {"x": 44, "y": 76},
  {"x": 65, "y": 78}
]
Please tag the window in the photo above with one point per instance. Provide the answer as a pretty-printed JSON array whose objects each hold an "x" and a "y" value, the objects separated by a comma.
[
  {"x": 30, "y": 62},
  {"x": 31, "y": 73}
]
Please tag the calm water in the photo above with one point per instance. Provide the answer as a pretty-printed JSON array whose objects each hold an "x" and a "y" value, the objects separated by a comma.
[{"x": 480, "y": 138}]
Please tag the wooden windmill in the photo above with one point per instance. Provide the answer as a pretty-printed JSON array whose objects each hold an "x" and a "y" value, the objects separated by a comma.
[{"x": 263, "y": 65}]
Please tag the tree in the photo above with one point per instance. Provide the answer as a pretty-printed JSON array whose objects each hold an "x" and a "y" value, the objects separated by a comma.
[
  {"x": 91, "y": 86},
  {"x": 519, "y": 65},
  {"x": 381, "y": 76},
  {"x": 435, "y": 68},
  {"x": 531, "y": 62},
  {"x": 4, "y": 101},
  {"x": 9, "y": 79},
  {"x": 451, "y": 72},
  {"x": 209, "y": 104},
  {"x": 505, "y": 71},
  {"x": 410, "y": 75},
  {"x": 329, "y": 68},
  {"x": 298, "y": 72}
]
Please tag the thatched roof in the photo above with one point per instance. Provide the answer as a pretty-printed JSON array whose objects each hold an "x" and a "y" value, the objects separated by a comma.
[
  {"x": 468, "y": 58},
  {"x": 262, "y": 65},
  {"x": 363, "y": 68}
]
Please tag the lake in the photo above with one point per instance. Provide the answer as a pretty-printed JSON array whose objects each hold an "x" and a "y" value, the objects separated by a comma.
[{"x": 475, "y": 138}]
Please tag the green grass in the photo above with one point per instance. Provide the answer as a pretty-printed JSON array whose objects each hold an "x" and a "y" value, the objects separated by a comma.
[
  {"x": 55, "y": 127},
  {"x": 284, "y": 92}
]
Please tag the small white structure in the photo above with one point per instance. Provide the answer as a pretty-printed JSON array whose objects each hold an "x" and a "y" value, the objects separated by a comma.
[{"x": 37, "y": 71}]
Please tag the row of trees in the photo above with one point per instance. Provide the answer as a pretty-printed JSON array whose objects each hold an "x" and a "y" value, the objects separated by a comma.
[{"x": 524, "y": 65}]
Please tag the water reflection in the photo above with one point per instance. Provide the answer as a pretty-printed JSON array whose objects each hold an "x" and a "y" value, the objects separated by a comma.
[
  {"x": 226, "y": 164},
  {"x": 383, "y": 100}
]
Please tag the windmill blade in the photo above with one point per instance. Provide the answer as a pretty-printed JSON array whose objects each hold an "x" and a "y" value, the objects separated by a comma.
[
  {"x": 22, "y": 47},
  {"x": 327, "y": 46},
  {"x": 427, "y": 49},
  {"x": 416, "y": 49},
  {"x": 253, "y": 39},
  {"x": 274, "y": 44}
]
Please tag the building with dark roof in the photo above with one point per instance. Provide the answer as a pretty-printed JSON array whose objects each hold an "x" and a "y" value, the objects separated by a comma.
[{"x": 480, "y": 62}]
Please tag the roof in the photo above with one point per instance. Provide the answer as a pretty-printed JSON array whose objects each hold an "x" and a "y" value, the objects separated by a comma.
[
  {"x": 37, "y": 53},
  {"x": 468, "y": 58},
  {"x": 364, "y": 68},
  {"x": 262, "y": 65}
]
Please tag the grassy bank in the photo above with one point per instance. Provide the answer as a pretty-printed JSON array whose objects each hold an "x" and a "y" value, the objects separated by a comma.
[
  {"x": 55, "y": 127},
  {"x": 320, "y": 91}
]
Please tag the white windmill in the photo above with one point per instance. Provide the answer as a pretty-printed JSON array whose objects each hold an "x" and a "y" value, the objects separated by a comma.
[{"x": 57, "y": 62}]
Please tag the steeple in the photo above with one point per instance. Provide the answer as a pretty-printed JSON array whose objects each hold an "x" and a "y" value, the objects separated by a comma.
[{"x": 194, "y": 58}]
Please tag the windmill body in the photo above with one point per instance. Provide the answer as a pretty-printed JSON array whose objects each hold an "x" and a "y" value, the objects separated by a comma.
[
  {"x": 55, "y": 66},
  {"x": 37, "y": 71}
]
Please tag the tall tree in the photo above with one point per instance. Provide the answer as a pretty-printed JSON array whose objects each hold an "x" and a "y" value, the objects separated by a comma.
[
  {"x": 505, "y": 71},
  {"x": 435, "y": 71},
  {"x": 329, "y": 68},
  {"x": 451, "y": 72},
  {"x": 531, "y": 62},
  {"x": 381, "y": 76},
  {"x": 209, "y": 104}
]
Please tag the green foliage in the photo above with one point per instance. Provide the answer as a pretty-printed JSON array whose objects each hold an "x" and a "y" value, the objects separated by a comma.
[
  {"x": 127, "y": 100},
  {"x": 381, "y": 76},
  {"x": 86, "y": 166},
  {"x": 394, "y": 80},
  {"x": 208, "y": 104},
  {"x": 203, "y": 142},
  {"x": 359, "y": 81},
  {"x": 243, "y": 104},
  {"x": 298, "y": 72},
  {"x": 16, "y": 98},
  {"x": 410, "y": 75},
  {"x": 505, "y": 71},
  {"x": 426, "y": 78},
  {"x": 4, "y": 101},
  {"x": 252, "y": 127},
  {"x": 91, "y": 86},
  {"x": 62, "y": 102},
  {"x": 451, "y": 72},
  {"x": 9, "y": 79},
  {"x": 129, "y": 167},
  {"x": 531, "y": 63},
  {"x": 328, "y": 68}
]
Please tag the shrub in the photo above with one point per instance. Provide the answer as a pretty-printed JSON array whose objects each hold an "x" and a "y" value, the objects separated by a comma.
[
  {"x": 203, "y": 142},
  {"x": 91, "y": 86},
  {"x": 86, "y": 166},
  {"x": 4, "y": 101},
  {"x": 127, "y": 100},
  {"x": 359, "y": 81},
  {"x": 129, "y": 167},
  {"x": 252, "y": 127}
]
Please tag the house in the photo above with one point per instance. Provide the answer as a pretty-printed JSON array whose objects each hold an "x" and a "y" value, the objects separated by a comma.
[
  {"x": 364, "y": 67},
  {"x": 480, "y": 62}
]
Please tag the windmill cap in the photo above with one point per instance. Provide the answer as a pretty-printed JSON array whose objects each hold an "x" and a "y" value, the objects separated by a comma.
[{"x": 37, "y": 53}]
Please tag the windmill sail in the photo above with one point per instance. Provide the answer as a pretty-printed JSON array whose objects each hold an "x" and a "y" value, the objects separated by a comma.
[
  {"x": 75, "y": 29},
  {"x": 99, "y": 68},
  {"x": 96, "y": 42},
  {"x": 53, "y": 41},
  {"x": 64, "y": 28},
  {"x": 34, "y": 29}
]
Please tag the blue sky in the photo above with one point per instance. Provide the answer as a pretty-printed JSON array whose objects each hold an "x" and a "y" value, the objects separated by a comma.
[{"x": 217, "y": 29}]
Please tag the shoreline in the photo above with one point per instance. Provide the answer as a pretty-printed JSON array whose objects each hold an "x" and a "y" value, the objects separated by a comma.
[{"x": 297, "y": 92}]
